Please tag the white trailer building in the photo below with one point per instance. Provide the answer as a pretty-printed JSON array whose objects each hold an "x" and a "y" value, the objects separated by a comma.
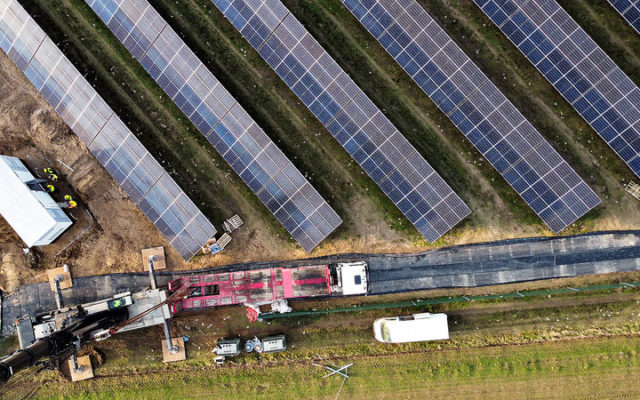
[{"x": 30, "y": 211}]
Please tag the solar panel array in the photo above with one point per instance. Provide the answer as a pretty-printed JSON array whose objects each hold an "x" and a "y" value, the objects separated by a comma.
[
  {"x": 219, "y": 117},
  {"x": 478, "y": 108},
  {"x": 106, "y": 136},
  {"x": 360, "y": 127},
  {"x": 580, "y": 70},
  {"x": 630, "y": 10}
]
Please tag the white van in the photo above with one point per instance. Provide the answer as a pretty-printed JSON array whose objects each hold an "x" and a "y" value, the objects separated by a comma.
[{"x": 413, "y": 328}]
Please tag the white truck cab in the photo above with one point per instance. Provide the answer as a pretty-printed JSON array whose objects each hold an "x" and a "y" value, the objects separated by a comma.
[{"x": 350, "y": 279}]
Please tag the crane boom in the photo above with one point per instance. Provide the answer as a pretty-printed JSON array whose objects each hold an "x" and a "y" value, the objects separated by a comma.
[
  {"x": 177, "y": 295},
  {"x": 60, "y": 341}
]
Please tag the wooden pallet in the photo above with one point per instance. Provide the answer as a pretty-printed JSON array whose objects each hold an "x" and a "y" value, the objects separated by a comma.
[
  {"x": 232, "y": 223},
  {"x": 633, "y": 189}
]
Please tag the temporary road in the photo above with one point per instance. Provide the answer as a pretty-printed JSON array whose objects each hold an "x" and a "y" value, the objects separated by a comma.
[{"x": 481, "y": 264}]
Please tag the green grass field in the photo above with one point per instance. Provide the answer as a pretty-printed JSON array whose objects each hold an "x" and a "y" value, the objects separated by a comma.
[{"x": 597, "y": 369}]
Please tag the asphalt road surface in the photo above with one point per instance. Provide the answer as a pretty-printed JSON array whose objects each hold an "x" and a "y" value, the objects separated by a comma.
[{"x": 482, "y": 264}]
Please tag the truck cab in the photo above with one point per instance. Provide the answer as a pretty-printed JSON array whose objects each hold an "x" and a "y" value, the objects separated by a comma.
[{"x": 350, "y": 279}]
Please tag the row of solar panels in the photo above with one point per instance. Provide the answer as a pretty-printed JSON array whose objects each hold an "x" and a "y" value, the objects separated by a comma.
[
  {"x": 219, "y": 117},
  {"x": 106, "y": 136},
  {"x": 381, "y": 150},
  {"x": 630, "y": 10},
  {"x": 499, "y": 131},
  {"x": 574, "y": 64},
  {"x": 477, "y": 107},
  {"x": 356, "y": 123}
]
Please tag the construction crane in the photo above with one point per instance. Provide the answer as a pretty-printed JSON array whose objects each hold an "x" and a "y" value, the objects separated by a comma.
[
  {"x": 60, "y": 343},
  {"x": 83, "y": 327},
  {"x": 178, "y": 295}
]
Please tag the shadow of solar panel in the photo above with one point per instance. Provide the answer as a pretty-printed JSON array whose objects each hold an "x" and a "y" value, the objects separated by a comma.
[
  {"x": 574, "y": 64},
  {"x": 630, "y": 11},
  {"x": 107, "y": 137},
  {"x": 224, "y": 123},
  {"x": 479, "y": 110},
  {"x": 358, "y": 125}
]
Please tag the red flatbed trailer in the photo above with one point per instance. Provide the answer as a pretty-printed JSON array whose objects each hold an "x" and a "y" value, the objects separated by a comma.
[{"x": 257, "y": 286}]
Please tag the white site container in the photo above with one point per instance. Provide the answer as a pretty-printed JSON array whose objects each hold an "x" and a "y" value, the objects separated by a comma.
[
  {"x": 414, "y": 328},
  {"x": 33, "y": 214}
]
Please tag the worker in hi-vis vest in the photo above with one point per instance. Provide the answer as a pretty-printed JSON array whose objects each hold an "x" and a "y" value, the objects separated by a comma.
[
  {"x": 70, "y": 202},
  {"x": 50, "y": 188},
  {"x": 51, "y": 174}
]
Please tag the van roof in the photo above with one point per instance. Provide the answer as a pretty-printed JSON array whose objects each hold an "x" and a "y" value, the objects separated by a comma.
[{"x": 432, "y": 327}]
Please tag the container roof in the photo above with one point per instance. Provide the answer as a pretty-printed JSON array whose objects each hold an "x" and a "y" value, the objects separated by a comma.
[{"x": 30, "y": 213}]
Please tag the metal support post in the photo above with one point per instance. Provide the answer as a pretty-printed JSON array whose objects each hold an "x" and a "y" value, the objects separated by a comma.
[
  {"x": 58, "y": 294},
  {"x": 152, "y": 275},
  {"x": 167, "y": 334},
  {"x": 74, "y": 358}
]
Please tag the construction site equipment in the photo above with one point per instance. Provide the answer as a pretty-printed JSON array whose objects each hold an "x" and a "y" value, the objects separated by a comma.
[
  {"x": 174, "y": 297},
  {"x": 159, "y": 262},
  {"x": 228, "y": 347},
  {"x": 633, "y": 189},
  {"x": 59, "y": 343},
  {"x": 63, "y": 275},
  {"x": 266, "y": 286},
  {"x": 253, "y": 345},
  {"x": 336, "y": 370},
  {"x": 214, "y": 246},
  {"x": 232, "y": 223},
  {"x": 274, "y": 344},
  {"x": 342, "y": 371},
  {"x": 277, "y": 306}
]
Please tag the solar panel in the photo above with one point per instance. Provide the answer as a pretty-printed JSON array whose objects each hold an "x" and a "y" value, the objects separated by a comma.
[
  {"x": 219, "y": 117},
  {"x": 477, "y": 107},
  {"x": 106, "y": 136},
  {"x": 360, "y": 127},
  {"x": 580, "y": 70},
  {"x": 630, "y": 11}
]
